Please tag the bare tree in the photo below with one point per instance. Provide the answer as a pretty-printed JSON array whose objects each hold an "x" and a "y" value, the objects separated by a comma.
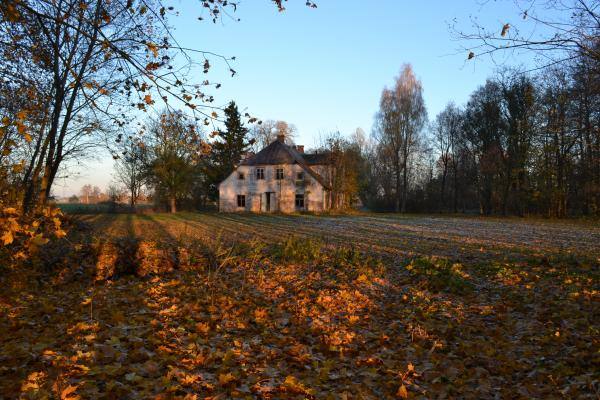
[
  {"x": 130, "y": 168},
  {"x": 446, "y": 132},
  {"x": 399, "y": 121},
  {"x": 556, "y": 31},
  {"x": 267, "y": 131},
  {"x": 86, "y": 192}
]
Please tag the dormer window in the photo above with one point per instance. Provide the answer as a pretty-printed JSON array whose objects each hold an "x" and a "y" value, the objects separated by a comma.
[
  {"x": 260, "y": 173},
  {"x": 241, "y": 176}
]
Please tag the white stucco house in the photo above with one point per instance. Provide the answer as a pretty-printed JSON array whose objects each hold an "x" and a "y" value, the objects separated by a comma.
[{"x": 279, "y": 178}]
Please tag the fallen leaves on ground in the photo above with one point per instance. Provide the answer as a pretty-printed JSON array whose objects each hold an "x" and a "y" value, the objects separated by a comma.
[{"x": 291, "y": 319}]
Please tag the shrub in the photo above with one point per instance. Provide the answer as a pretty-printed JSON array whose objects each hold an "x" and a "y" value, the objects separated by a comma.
[
  {"x": 440, "y": 275},
  {"x": 295, "y": 249}
]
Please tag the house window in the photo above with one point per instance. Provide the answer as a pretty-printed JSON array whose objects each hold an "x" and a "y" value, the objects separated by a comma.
[
  {"x": 279, "y": 174},
  {"x": 300, "y": 201},
  {"x": 241, "y": 201},
  {"x": 260, "y": 173},
  {"x": 300, "y": 176},
  {"x": 241, "y": 176}
]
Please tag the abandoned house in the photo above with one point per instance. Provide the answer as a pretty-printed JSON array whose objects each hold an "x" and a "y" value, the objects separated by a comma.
[{"x": 279, "y": 178}]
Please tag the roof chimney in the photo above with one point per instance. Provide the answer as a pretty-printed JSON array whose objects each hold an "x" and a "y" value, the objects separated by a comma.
[
  {"x": 281, "y": 138},
  {"x": 300, "y": 148},
  {"x": 247, "y": 154}
]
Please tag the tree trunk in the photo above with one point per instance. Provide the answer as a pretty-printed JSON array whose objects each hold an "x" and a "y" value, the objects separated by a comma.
[
  {"x": 455, "y": 191},
  {"x": 397, "y": 167},
  {"x": 404, "y": 186},
  {"x": 443, "y": 190},
  {"x": 173, "y": 204}
]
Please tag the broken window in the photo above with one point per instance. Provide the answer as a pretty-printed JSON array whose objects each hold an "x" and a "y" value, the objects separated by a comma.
[
  {"x": 260, "y": 173},
  {"x": 300, "y": 201},
  {"x": 241, "y": 201},
  {"x": 279, "y": 174}
]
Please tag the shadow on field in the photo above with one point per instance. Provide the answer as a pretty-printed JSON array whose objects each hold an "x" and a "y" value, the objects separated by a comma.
[{"x": 265, "y": 310}]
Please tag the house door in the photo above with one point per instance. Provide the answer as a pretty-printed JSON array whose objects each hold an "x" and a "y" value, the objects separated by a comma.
[{"x": 268, "y": 201}]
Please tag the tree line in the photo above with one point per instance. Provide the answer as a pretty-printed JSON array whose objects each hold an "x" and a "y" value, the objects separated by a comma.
[
  {"x": 78, "y": 75},
  {"x": 523, "y": 144}
]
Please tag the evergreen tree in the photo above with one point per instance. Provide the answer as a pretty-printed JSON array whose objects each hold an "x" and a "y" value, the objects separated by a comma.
[{"x": 227, "y": 148}]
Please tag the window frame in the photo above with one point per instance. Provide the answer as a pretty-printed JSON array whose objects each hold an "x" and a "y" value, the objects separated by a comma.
[
  {"x": 279, "y": 174},
  {"x": 260, "y": 174},
  {"x": 301, "y": 196},
  {"x": 241, "y": 201}
]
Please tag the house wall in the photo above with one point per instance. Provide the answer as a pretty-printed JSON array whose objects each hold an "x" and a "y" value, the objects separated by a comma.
[{"x": 283, "y": 191}]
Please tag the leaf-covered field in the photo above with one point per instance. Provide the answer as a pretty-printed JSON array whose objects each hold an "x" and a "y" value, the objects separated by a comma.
[{"x": 197, "y": 306}]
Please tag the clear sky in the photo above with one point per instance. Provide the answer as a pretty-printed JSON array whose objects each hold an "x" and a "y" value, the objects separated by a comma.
[{"x": 323, "y": 69}]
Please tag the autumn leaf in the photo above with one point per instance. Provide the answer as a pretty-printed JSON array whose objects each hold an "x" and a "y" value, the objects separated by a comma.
[
  {"x": 292, "y": 384},
  {"x": 17, "y": 168},
  {"x": 402, "y": 392},
  {"x": 148, "y": 99},
  {"x": 260, "y": 314},
  {"x": 153, "y": 48},
  {"x": 225, "y": 379},
  {"x": 203, "y": 328},
  {"x": 7, "y": 238},
  {"x": 68, "y": 393},
  {"x": 505, "y": 29}
]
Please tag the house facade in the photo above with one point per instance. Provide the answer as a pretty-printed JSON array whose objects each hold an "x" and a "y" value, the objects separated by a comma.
[{"x": 279, "y": 178}]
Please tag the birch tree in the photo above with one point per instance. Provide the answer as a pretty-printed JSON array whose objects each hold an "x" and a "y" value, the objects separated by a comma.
[{"x": 401, "y": 117}]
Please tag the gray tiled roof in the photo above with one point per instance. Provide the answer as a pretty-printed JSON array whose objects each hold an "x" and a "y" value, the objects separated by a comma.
[
  {"x": 275, "y": 153},
  {"x": 278, "y": 153}
]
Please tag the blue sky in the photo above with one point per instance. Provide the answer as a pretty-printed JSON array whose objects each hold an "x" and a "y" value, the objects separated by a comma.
[{"x": 324, "y": 69}]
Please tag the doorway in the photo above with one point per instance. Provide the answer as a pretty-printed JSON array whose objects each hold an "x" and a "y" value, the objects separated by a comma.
[{"x": 268, "y": 201}]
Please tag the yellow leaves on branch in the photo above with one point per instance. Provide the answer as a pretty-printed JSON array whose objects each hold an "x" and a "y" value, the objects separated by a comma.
[{"x": 153, "y": 48}]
